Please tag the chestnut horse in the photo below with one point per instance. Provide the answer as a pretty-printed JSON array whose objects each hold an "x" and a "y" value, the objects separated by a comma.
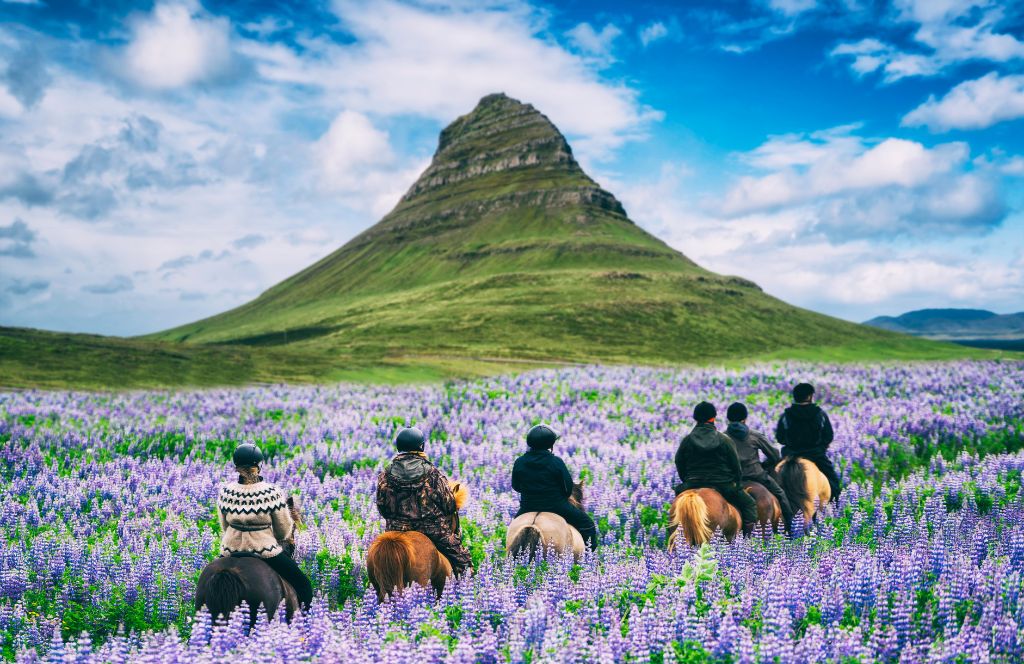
[
  {"x": 229, "y": 580},
  {"x": 544, "y": 531},
  {"x": 698, "y": 513},
  {"x": 804, "y": 484},
  {"x": 769, "y": 512},
  {"x": 397, "y": 559}
]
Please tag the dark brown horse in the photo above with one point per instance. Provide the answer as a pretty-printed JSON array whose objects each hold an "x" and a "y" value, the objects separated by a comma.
[
  {"x": 698, "y": 513},
  {"x": 397, "y": 559},
  {"x": 228, "y": 581},
  {"x": 769, "y": 512},
  {"x": 531, "y": 532}
]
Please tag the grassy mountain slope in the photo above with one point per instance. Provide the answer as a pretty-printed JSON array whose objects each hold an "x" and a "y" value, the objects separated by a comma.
[{"x": 505, "y": 248}]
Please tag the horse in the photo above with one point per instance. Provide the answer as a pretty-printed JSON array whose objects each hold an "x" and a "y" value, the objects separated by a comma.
[
  {"x": 229, "y": 580},
  {"x": 769, "y": 512},
  {"x": 531, "y": 532},
  {"x": 397, "y": 559},
  {"x": 698, "y": 513},
  {"x": 803, "y": 484}
]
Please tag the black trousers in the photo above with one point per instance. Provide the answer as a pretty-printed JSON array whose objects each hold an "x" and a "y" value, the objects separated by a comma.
[
  {"x": 733, "y": 495},
  {"x": 769, "y": 483},
  {"x": 823, "y": 463},
  {"x": 290, "y": 571},
  {"x": 575, "y": 517}
]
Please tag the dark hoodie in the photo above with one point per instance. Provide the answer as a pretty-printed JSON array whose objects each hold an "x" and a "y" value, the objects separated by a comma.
[
  {"x": 542, "y": 480},
  {"x": 747, "y": 445},
  {"x": 706, "y": 457},
  {"x": 804, "y": 429}
]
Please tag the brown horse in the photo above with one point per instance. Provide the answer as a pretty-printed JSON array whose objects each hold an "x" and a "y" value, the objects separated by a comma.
[
  {"x": 769, "y": 512},
  {"x": 531, "y": 532},
  {"x": 229, "y": 580},
  {"x": 804, "y": 484},
  {"x": 397, "y": 559},
  {"x": 698, "y": 513}
]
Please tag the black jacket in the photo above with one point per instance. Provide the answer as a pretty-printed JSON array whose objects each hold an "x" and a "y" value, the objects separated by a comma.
[
  {"x": 707, "y": 457},
  {"x": 804, "y": 428},
  {"x": 747, "y": 445},
  {"x": 541, "y": 478}
]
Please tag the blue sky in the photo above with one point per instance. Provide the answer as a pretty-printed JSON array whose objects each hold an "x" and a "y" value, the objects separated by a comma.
[{"x": 164, "y": 162}]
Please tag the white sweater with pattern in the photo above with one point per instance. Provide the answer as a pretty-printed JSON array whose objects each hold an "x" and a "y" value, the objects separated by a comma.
[{"x": 253, "y": 518}]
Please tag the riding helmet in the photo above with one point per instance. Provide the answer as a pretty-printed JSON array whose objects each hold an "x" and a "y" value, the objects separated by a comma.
[
  {"x": 704, "y": 412},
  {"x": 737, "y": 412},
  {"x": 247, "y": 455},
  {"x": 541, "y": 437},
  {"x": 803, "y": 392},
  {"x": 409, "y": 440}
]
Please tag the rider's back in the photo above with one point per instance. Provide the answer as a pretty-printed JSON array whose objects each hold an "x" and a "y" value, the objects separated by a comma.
[
  {"x": 254, "y": 518},
  {"x": 804, "y": 428},
  {"x": 707, "y": 457},
  {"x": 542, "y": 479},
  {"x": 411, "y": 491}
]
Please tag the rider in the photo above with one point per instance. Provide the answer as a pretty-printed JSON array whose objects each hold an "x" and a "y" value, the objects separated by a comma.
[
  {"x": 414, "y": 495},
  {"x": 805, "y": 431},
  {"x": 255, "y": 520},
  {"x": 545, "y": 485},
  {"x": 748, "y": 442},
  {"x": 707, "y": 458}
]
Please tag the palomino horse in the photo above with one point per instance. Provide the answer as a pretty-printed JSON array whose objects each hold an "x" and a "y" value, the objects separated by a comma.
[
  {"x": 397, "y": 559},
  {"x": 228, "y": 581},
  {"x": 804, "y": 484},
  {"x": 769, "y": 512},
  {"x": 698, "y": 513},
  {"x": 533, "y": 531}
]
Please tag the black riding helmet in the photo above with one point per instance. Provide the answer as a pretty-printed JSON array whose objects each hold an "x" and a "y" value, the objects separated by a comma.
[
  {"x": 409, "y": 440},
  {"x": 541, "y": 437},
  {"x": 247, "y": 455}
]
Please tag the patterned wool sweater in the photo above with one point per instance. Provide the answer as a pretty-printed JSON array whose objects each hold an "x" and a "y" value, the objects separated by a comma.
[{"x": 253, "y": 518}]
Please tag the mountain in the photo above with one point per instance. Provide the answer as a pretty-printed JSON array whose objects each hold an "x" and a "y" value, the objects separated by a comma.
[
  {"x": 505, "y": 248},
  {"x": 976, "y": 327}
]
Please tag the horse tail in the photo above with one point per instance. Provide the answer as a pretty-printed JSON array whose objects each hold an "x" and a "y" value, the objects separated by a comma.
[
  {"x": 692, "y": 516},
  {"x": 794, "y": 483},
  {"x": 224, "y": 592},
  {"x": 390, "y": 555},
  {"x": 528, "y": 539}
]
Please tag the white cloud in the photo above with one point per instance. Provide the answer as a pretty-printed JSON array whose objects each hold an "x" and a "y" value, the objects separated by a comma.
[
  {"x": 975, "y": 104},
  {"x": 174, "y": 47},
  {"x": 425, "y": 62},
  {"x": 653, "y": 32},
  {"x": 829, "y": 164},
  {"x": 948, "y": 32},
  {"x": 792, "y": 7},
  {"x": 597, "y": 45},
  {"x": 348, "y": 147}
]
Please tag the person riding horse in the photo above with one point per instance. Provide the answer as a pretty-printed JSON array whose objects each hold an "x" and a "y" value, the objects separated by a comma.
[
  {"x": 748, "y": 442},
  {"x": 255, "y": 520},
  {"x": 805, "y": 431},
  {"x": 707, "y": 458},
  {"x": 545, "y": 485},
  {"x": 412, "y": 494}
]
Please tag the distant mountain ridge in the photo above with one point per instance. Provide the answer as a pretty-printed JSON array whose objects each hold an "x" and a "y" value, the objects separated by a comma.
[
  {"x": 505, "y": 248},
  {"x": 954, "y": 324}
]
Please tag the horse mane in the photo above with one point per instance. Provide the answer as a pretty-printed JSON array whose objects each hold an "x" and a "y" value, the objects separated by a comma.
[
  {"x": 224, "y": 593},
  {"x": 528, "y": 539},
  {"x": 387, "y": 559},
  {"x": 691, "y": 514},
  {"x": 461, "y": 493},
  {"x": 576, "y": 497},
  {"x": 794, "y": 482}
]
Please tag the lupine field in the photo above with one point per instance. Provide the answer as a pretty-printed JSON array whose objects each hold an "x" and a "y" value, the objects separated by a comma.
[{"x": 107, "y": 518}]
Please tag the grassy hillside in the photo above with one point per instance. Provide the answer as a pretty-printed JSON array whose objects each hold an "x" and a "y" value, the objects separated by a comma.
[{"x": 51, "y": 360}]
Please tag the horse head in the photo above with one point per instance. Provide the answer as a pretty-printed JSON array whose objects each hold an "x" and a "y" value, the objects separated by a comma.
[{"x": 576, "y": 497}]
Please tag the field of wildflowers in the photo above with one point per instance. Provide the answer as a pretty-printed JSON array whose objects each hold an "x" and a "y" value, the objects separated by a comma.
[{"x": 107, "y": 517}]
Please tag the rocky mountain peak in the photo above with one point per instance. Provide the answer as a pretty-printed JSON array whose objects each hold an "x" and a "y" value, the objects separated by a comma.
[{"x": 500, "y": 134}]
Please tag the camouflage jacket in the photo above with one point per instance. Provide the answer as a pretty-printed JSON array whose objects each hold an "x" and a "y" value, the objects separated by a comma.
[{"x": 414, "y": 495}]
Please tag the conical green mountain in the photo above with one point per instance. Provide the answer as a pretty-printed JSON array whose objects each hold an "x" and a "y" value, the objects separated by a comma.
[{"x": 505, "y": 248}]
